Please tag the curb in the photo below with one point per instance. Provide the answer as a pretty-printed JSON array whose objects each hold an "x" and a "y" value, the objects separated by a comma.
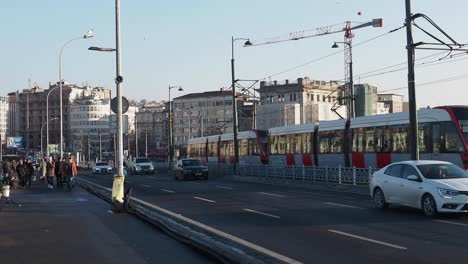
[{"x": 224, "y": 247}]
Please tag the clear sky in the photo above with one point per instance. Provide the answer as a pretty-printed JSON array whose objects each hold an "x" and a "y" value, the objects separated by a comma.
[{"x": 188, "y": 43}]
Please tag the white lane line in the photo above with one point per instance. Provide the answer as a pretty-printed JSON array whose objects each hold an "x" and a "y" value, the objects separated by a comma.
[
  {"x": 147, "y": 186},
  {"x": 168, "y": 191},
  {"x": 450, "y": 222},
  {"x": 272, "y": 194},
  {"x": 367, "y": 239},
  {"x": 261, "y": 213},
  {"x": 220, "y": 233},
  {"x": 203, "y": 199},
  {"x": 110, "y": 211},
  {"x": 224, "y": 187},
  {"x": 343, "y": 205}
]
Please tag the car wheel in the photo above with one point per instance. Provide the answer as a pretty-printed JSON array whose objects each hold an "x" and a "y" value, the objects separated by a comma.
[
  {"x": 429, "y": 205},
  {"x": 379, "y": 199}
]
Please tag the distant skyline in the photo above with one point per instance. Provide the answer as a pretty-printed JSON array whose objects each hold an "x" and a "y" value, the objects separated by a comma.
[{"x": 188, "y": 43}]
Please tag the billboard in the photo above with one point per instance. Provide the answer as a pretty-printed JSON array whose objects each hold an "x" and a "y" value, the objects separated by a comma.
[{"x": 14, "y": 142}]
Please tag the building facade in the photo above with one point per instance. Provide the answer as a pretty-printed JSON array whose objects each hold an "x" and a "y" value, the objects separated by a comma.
[
  {"x": 31, "y": 107},
  {"x": 297, "y": 102},
  {"x": 151, "y": 129},
  {"x": 394, "y": 102},
  {"x": 4, "y": 113},
  {"x": 208, "y": 113},
  {"x": 365, "y": 100}
]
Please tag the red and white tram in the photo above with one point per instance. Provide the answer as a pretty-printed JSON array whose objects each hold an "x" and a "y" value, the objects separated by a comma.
[{"x": 371, "y": 141}]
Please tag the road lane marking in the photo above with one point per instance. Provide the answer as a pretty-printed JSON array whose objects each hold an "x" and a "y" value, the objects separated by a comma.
[
  {"x": 168, "y": 191},
  {"x": 367, "y": 239},
  {"x": 209, "y": 229},
  {"x": 272, "y": 194},
  {"x": 110, "y": 211},
  {"x": 343, "y": 205},
  {"x": 203, "y": 199},
  {"x": 261, "y": 213},
  {"x": 147, "y": 186},
  {"x": 450, "y": 222},
  {"x": 224, "y": 187}
]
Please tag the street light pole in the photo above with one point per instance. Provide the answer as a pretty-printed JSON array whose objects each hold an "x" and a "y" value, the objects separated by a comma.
[
  {"x": 47, "y": 120},
  {"x": 42, "y": 128},
  {"x": 100, "y": 145},
  {"x": 146, "y": 142},
  {"x": 171, "y": 126},
  {"x": 86, "y": 36},
  {"x": 136, "y": 136},
  {"x": 350, "y": 89},
  {"x": 119, "y": 178},
  {"x": 234, "y": 103}
]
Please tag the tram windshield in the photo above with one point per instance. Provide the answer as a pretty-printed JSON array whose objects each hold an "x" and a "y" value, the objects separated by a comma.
[{"x": 461, "y": 113}]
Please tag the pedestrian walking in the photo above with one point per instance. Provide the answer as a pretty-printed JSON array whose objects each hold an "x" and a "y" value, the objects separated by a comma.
[
  {"x": 43, "y": 171},
  {"x": 22, "y": 172},
  {"x": 29, "y": 173},
  {"x": 50, "y": 167},
  {"x": 70, "y": 172},
  {"x": 58, "y": 174}
]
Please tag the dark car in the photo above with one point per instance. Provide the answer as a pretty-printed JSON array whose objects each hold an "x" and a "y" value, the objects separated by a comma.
[{"x": 190, "y": 169}]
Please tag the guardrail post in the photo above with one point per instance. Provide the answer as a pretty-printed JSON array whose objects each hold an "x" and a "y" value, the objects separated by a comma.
[
  {"x": 315, "y": 173},
  {"x": 326, "y": 174},
  {"x": 339, "y": 174},
  {"x": 354, "y": 175}
]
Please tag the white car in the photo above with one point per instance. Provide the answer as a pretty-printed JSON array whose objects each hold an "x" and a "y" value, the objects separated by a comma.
[
  {"x": 102, "y": 167},
  {"x": 433, "y": 186},
  {"x": 142, "y": 166}
]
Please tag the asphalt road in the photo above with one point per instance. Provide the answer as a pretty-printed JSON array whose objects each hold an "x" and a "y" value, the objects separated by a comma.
[{"x": 310, "y": 226}]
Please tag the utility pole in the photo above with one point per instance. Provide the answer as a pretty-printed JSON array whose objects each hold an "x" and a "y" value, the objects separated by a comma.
[
  {"x": 100, "y": 145},
  {"x": 413, "y": 118},
  {"x": 136, "y": 136},
  {"x": 234, "y": 109},
  {"x": 146, "y": 142}
]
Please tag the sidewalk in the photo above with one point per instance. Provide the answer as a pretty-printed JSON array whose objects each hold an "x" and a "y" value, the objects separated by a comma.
[{"x": 51, "y": 226}]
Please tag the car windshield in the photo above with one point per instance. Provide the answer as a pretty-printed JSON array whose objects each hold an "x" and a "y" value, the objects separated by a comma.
[
  {"x": 442, "y": 171},
  {"x": 142, "y": 160},
  {"x": 191, "y": 163},
  {"x": 464, "y": 128},
  {"x": 101, "y": 164}
]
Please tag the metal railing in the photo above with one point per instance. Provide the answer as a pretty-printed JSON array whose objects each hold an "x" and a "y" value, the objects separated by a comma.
[{"x": 337, "y": 175}]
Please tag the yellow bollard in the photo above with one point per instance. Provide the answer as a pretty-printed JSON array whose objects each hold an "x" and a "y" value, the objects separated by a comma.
[{"x": 118, "y": 189}]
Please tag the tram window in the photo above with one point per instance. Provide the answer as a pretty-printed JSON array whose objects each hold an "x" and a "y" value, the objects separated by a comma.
[
  {"x": 324, "y": 142},
  {"x": 306, "y": 145},
  {"x": 243, "y": 147},
  {"x": 400, "y": 139},
  {"x": 358, "y": 136},
  {"x": 383, "y": 139},
  {"x": 369, "y": 140},
  {"x": 202, "y": 150},
  {"x": 423, "y": 137},
  {"x": 253, "y": 147},
  {"x": 336, "y": 141},
  {"x": 290, "y": 142},
  {"x": 436, "y": 138},
  {"x": 274, "y": 145},
  {"x": 282, "y": 145},
  {"x": 464, "y": 128},
  {"x": 452, "y": 138},
  {"x": 298, "y": 149}
]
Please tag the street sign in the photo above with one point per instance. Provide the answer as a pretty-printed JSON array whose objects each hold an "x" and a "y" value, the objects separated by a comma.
[{"x": 125, "y": 105}]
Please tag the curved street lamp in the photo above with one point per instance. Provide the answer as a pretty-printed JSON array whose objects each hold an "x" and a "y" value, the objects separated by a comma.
[
  {"x": 171, "y": 134},
  {"x": 88, "y": 35}
]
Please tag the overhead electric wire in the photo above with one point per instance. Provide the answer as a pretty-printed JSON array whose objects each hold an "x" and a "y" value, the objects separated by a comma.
[{"x": 331, "y": 54}]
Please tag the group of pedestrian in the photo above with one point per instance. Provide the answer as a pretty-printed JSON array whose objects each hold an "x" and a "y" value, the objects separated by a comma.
[
  {"x": 20, "y": 174},
  {"x": 62, "y": 170}
]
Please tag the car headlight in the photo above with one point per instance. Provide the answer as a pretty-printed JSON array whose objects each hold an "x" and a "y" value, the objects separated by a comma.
[
  {"x": 137, "y": 168},
  {"x": 447, "y": 193},
  {"x": 205, "y": 169},
  {"x": 151, "y": 168}
]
